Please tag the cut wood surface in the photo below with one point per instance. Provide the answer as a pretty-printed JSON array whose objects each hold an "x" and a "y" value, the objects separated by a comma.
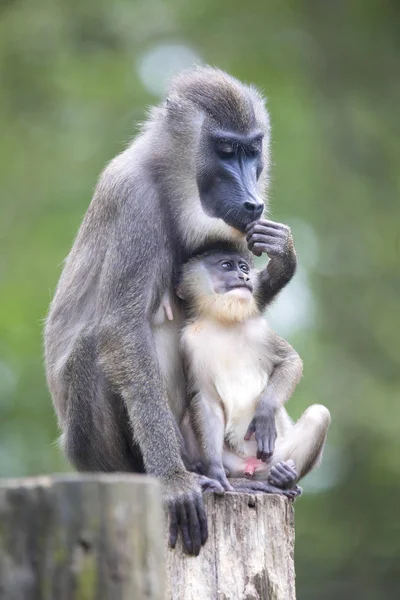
[
  {"x": 99, "y": 537},
  {"x": 248, "y": 556}
]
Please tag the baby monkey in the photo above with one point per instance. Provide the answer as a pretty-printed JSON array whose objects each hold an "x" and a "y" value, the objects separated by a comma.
[{"x": 240, "y": 375}]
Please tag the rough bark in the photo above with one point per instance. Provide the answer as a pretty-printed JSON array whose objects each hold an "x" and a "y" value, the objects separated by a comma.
[
  {"x": 84, "y": 537},
  {"x": 249, "y": 554}
]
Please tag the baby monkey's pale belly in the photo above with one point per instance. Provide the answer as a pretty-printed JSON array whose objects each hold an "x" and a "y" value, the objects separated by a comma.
[{"x": 233, "y": 372}]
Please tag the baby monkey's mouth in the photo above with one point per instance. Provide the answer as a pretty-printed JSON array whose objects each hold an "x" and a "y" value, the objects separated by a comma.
[{"x": 239, "y": 286}]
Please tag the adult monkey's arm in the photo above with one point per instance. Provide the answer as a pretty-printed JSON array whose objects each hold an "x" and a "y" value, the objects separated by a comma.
[
  {"x": 276, "y": 240},
  {"x": 133, "y": 276}
]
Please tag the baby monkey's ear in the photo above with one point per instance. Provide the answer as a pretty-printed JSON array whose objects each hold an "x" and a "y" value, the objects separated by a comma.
[{"x": 179, "y": 291}]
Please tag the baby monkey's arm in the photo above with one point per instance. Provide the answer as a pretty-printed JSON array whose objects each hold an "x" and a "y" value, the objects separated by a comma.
[{"x": 286, "y": 373}]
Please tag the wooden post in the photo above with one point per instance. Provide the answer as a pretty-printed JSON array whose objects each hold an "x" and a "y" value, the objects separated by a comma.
[
  {"x": 248, "y": 556},
  {"x": 97, "y": 537},
  {"x": 81, "y": 537}
]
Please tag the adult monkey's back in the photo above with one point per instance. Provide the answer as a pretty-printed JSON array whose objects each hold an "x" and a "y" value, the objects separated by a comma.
[{"x": 194, "y": 176}]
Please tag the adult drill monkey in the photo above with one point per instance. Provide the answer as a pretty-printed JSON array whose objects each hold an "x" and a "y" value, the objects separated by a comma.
[{"x": 196, "y": 174}]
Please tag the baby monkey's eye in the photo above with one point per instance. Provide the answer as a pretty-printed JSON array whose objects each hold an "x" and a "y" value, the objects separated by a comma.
[
  {"x": 244, "y": 268},
  {"x": 226, "y": 265}
]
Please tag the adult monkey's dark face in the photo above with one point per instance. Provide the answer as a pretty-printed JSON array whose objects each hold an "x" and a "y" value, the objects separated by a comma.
[
  {"x": 228, "y": 174},
  {"x": 219, "y": 136}
]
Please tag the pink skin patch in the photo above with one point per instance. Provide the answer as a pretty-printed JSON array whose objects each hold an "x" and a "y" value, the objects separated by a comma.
[
  {"x": 251, "y": 465},
  {"x": 167, "y": 309}
]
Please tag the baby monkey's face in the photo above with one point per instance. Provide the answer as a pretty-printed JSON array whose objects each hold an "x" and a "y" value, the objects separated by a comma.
[
  {"x": 229, "y": 274},
  {"x": 219, "y": 285}
]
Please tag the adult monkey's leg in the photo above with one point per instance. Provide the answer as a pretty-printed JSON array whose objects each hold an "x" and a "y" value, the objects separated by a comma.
[
  {"x": 96, "y": 433},
  {"x": 153, "y": 426}
]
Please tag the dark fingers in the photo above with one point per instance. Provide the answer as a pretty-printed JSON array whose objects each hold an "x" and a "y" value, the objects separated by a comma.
[
  {"x": 202, "y": 517},
  {"x": 184, "y": 527},
  {"x": 266, "y": 223},
  {"x": 194, "y": 527}
]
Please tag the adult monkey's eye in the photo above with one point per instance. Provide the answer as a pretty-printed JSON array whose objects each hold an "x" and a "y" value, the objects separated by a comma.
[
  {"x": 255, "y": 148},
  {"x": 253, "y": 151},
  {"x": 225, "y": 148}
]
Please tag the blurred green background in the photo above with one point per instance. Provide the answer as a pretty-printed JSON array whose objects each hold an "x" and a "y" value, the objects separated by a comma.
[{"x": 75, "y": 78}]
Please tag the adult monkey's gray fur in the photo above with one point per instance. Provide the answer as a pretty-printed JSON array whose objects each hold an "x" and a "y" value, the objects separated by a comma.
[{"x": 194, "y": 176}]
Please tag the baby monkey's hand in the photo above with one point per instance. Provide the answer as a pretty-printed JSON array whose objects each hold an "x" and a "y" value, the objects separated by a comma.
[{"x": 263, "y": 426}]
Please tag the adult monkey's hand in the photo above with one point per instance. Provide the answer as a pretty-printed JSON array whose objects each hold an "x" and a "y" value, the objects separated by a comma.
[
  {"x": 276, "y": 240},
  {"x": 187, "y": 512}
]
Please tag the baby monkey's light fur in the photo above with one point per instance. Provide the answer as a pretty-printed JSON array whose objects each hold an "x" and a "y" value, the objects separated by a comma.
[{"x": 237, "y": 366}]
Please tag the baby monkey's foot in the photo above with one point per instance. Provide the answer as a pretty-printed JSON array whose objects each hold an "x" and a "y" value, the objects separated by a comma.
[
  {"x": 218, "y": 473},
  {"x": 298, "y": 490},
  {"x": 250, "y": 486},
  {"x": 212, "y": 478},
  {"x": 283, "y": 475},
  {"x": 210, "y": 485}
]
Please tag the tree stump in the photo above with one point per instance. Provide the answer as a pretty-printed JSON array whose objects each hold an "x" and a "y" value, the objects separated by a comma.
[
  {"x": 249, "y": 554},
  {"x": 97, "y": 537},
  {"x": 81, "y": 537}
]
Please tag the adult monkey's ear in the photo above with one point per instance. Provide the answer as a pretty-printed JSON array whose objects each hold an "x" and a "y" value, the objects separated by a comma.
[
  {"x": 172, "y": 104},
  {"x": 179, "y": 110}
]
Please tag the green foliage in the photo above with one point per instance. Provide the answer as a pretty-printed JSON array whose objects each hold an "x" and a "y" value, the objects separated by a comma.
[{"x": 71, "y": 93}]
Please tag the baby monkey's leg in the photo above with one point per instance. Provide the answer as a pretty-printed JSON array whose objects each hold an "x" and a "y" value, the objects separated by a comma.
[
  {"x": 192, "y": 459},
  {"x": 304, "y": 443},
  {"x": 208, "y": 422}
]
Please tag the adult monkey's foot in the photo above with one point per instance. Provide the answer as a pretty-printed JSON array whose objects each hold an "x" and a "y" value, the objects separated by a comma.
[{"x": 182, "y": 494}]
